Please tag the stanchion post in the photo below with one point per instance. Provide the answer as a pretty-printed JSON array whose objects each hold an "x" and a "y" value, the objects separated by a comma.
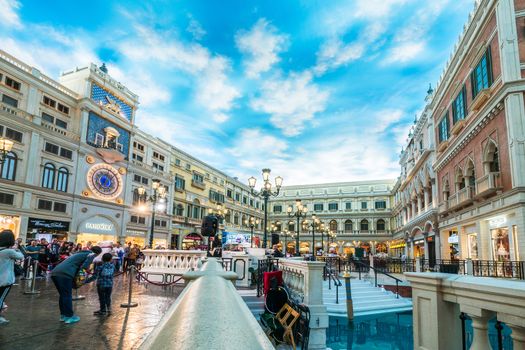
[
  {"x": 28, "y": 266},
  {"x": 33, "y": 280},
  {"x": 349, "y": 301},
  {"x": 77, "y": 297},
  {"x": 130, "y": 304}
]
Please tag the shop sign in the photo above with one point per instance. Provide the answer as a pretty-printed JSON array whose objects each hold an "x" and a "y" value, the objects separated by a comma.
[
  {"x": 48, "y": 224},
  {"x": 97, "y": 225},
  {"x": 453, "y": 239},
  {"x": 135, "y": 233},
  {"x": 498, "y": 221}
]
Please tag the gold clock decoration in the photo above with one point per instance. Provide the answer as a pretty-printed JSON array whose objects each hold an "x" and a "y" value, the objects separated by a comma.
[{"x": 90, "y": 159}]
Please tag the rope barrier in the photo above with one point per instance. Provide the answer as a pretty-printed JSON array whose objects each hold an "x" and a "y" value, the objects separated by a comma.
[{"x": 162, "y": 284}]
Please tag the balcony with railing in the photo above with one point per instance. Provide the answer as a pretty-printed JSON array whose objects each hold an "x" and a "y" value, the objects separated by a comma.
[
  {"x": 11, "y": 111},
  {"x": 465, "y": 195},
  {"x": 488, "y": 184}
]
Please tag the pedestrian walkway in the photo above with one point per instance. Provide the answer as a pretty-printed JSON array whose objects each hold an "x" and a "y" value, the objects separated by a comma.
[{"x": 34, "y": 318}]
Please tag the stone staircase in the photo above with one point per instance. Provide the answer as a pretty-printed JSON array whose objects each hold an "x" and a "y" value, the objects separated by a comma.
[{"x": 367, "y": 299}]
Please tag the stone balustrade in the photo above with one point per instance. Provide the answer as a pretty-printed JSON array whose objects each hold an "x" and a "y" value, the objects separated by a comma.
[
  {"x": 440, "y": 298},
  {"x": 192, "y": 322},
  {"x": 305, "y": 280},
  {"x": 174, "y": 262}
]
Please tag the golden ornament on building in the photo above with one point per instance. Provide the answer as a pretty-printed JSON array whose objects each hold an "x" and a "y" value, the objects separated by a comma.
[
  {"x": 85, "y": 193},
  {"x": 122, "y": 170},
  {"x": 90, "y": 159}
]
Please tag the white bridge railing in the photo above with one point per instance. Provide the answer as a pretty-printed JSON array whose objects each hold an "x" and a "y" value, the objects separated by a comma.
[{"x": 174, "y": 262}]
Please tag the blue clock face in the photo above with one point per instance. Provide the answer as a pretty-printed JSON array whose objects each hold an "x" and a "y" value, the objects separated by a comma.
[{"x": 105, "y": 181}]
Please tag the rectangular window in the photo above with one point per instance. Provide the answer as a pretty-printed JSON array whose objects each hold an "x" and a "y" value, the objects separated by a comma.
[
  {"x": 198, "y": 178},
  {"x": 7, "y": 198},
  {"x": 12, "y": 83},
  {"x": 158, "y": 156},
  {"x": 277, "y": 208},
  {"x": 177, "y": 162},
  {"x": 459, "y": 106},
  {"x": 50, "y": 102},
  {"x": 364, "y": 205},
  {"x": 145, "y": 180},
  {"x": 134, "y": 219},
  {"x": 348, "y": 205},
  {"x": 188, "y": 166},
  {"x": 60, "y": 207},
  {"x": 63, "y": 109},
  {"x": 251, "y": 202},
  {"x": 380, "y": 204},
  {"x": 137, "y": 157},
  {"x": 45, "y": 204},
  {"x": 443, "y": 128},
  {"x": 244, "y": 200},
  {"x": 99, "y": 140},
  {"x": 333, "y": 206},
  {"x": 237, "y": 197},
  {"x": 158, "y": 166},
  {"x": 318, "y": 207},
  {"x": 229, "y": 193},
  {"x": 13, "y": 102},
  {"x": 13, "y": 135},
  {"x": 180, "y": 183},
  {"x": 48, "y": 118},
  {"x": 136, "y": 178},
  {"x": 66, "y": 153},
  {"x": 60, "y": 123},
  {"x": 481, "y": 76},
  {"x": 51, "y": 148}
]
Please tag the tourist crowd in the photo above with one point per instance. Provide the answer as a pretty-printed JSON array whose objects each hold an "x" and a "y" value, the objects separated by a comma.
[{"x": 69, "y": 265}]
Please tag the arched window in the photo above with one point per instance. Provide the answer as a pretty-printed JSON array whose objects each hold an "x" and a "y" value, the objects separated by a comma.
[
  {"x": 179, "y": 210},
  {"x": 48, "y": 176},
  {"x": 470, "y": 174},
  {"x": 491, "y": 158},
  {"x": 8, "y": 167},
  {"x": 349, "y": 227},
  {"x": 291, "y": 226},
  {"x": 364, "y": 225},
  {"x": 236, "y": 219},
  {"x": 494, "y": 164},
  {"x": 62, "y": 179},
  {"x": 333, "y": 226},
  {"x": 228, "y": 217},
  {"x": 446, "y": 190},
  {"x": 460, "y": 179},
  {"x": 380, "y": 225},
  {"x": 136, "y": 197}
]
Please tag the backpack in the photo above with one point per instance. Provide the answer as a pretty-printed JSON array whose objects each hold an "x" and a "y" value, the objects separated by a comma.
[{"x": 107, "y": 271}]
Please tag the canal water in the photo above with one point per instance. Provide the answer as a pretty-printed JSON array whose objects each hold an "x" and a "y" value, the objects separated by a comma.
[{"x": 392, "y": 331}]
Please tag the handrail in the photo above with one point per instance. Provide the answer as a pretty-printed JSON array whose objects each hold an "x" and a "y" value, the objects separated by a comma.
[{"x": 375, "y": 275}]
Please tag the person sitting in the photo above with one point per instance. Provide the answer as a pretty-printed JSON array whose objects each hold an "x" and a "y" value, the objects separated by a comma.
[
  {"x": 277, "y": 252},
  {"x": 63, "y": 276}
]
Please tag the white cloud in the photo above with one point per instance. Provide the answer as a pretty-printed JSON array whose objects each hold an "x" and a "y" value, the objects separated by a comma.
[
  {"x": 261, "y": 46},
  {"x": 291, "y": 101},
  {"x": 220, "y": 117},
  {"x": 195, "y": 28},
  {"x": 405, "y": 52},
  {"x": 9, "y": 14},
  {"x": 334, "y": 53},
  {"x": 213, "y": 90}
]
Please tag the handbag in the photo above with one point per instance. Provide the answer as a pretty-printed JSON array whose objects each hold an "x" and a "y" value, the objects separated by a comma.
[{"x": 80, "y": 278}]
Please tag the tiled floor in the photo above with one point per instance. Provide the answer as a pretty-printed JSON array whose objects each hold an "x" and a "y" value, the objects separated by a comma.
[{"x": 34, "y": 318}]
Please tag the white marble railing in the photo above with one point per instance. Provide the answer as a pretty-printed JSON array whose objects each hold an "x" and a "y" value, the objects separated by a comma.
[
  {"x": 208, "y": 314},
  {"x": 305, "y": 279},
  {"x": 171, "y": 261},
  {"x": 439, "y": 298}
]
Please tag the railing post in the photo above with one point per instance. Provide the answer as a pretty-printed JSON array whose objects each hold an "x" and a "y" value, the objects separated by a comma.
[
  {"x": 470, "y": 267},
  {"x": 418, "y": 265},
  {"x": 33, "y": 279},
  {"x": 130, "y": 303}
]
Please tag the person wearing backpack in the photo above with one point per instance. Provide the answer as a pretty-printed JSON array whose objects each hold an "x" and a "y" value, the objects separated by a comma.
[
  {"x": 63, "y": 276},
  {"x": 104, "y": 276}
]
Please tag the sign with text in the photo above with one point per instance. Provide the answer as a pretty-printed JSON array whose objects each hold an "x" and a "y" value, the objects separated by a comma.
[
  {"x": 34, "y": 223},
  {"x": 97, "y": 225}
]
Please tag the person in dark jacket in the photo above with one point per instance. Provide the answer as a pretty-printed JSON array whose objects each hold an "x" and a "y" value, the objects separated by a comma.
[{"x": 63, "y": 277}]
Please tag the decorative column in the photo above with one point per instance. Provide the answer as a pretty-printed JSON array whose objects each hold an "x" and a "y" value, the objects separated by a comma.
[
  {"x": 427, "y": 198},
  {"x": 413, "y": 209},
  {"x": 406, "y": 248},
  {"x": 419, "y": 204},
  {"x": 411, "y": 248},
  {"x": 480, "y": 324},
  {"x": 425, "y": 237}
]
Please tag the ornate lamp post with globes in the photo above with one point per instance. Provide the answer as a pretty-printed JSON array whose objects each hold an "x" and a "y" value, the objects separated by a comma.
[
  {"x": 158, "y": 202},
  {"x": 300, "y": 212},
  {"x": 265, "y": 193}
]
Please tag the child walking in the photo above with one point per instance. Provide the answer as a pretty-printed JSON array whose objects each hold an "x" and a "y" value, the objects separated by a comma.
[{"x": 104, "y": 276}]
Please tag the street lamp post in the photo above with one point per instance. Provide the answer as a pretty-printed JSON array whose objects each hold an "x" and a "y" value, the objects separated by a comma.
[
  {"x": 316, "y": 223},
  {"x": 251, "y": 223},
  {"x": 220, "y": 213},
  {"x": 265, "y": 193},
  {"x": 157, "y": 199},
  {"x": 300, "y": 212}
]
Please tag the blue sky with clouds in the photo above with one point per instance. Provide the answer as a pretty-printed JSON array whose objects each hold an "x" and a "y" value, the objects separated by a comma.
[{"x": 319, "y": 91}]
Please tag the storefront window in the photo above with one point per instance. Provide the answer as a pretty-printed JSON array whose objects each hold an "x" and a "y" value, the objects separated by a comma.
[
  {"x": 473, "y": 245},
  {"x": 500, "y": 244}
]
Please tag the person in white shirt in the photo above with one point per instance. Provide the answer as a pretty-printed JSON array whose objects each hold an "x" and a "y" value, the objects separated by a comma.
[{"x": 7, "y": 266}]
